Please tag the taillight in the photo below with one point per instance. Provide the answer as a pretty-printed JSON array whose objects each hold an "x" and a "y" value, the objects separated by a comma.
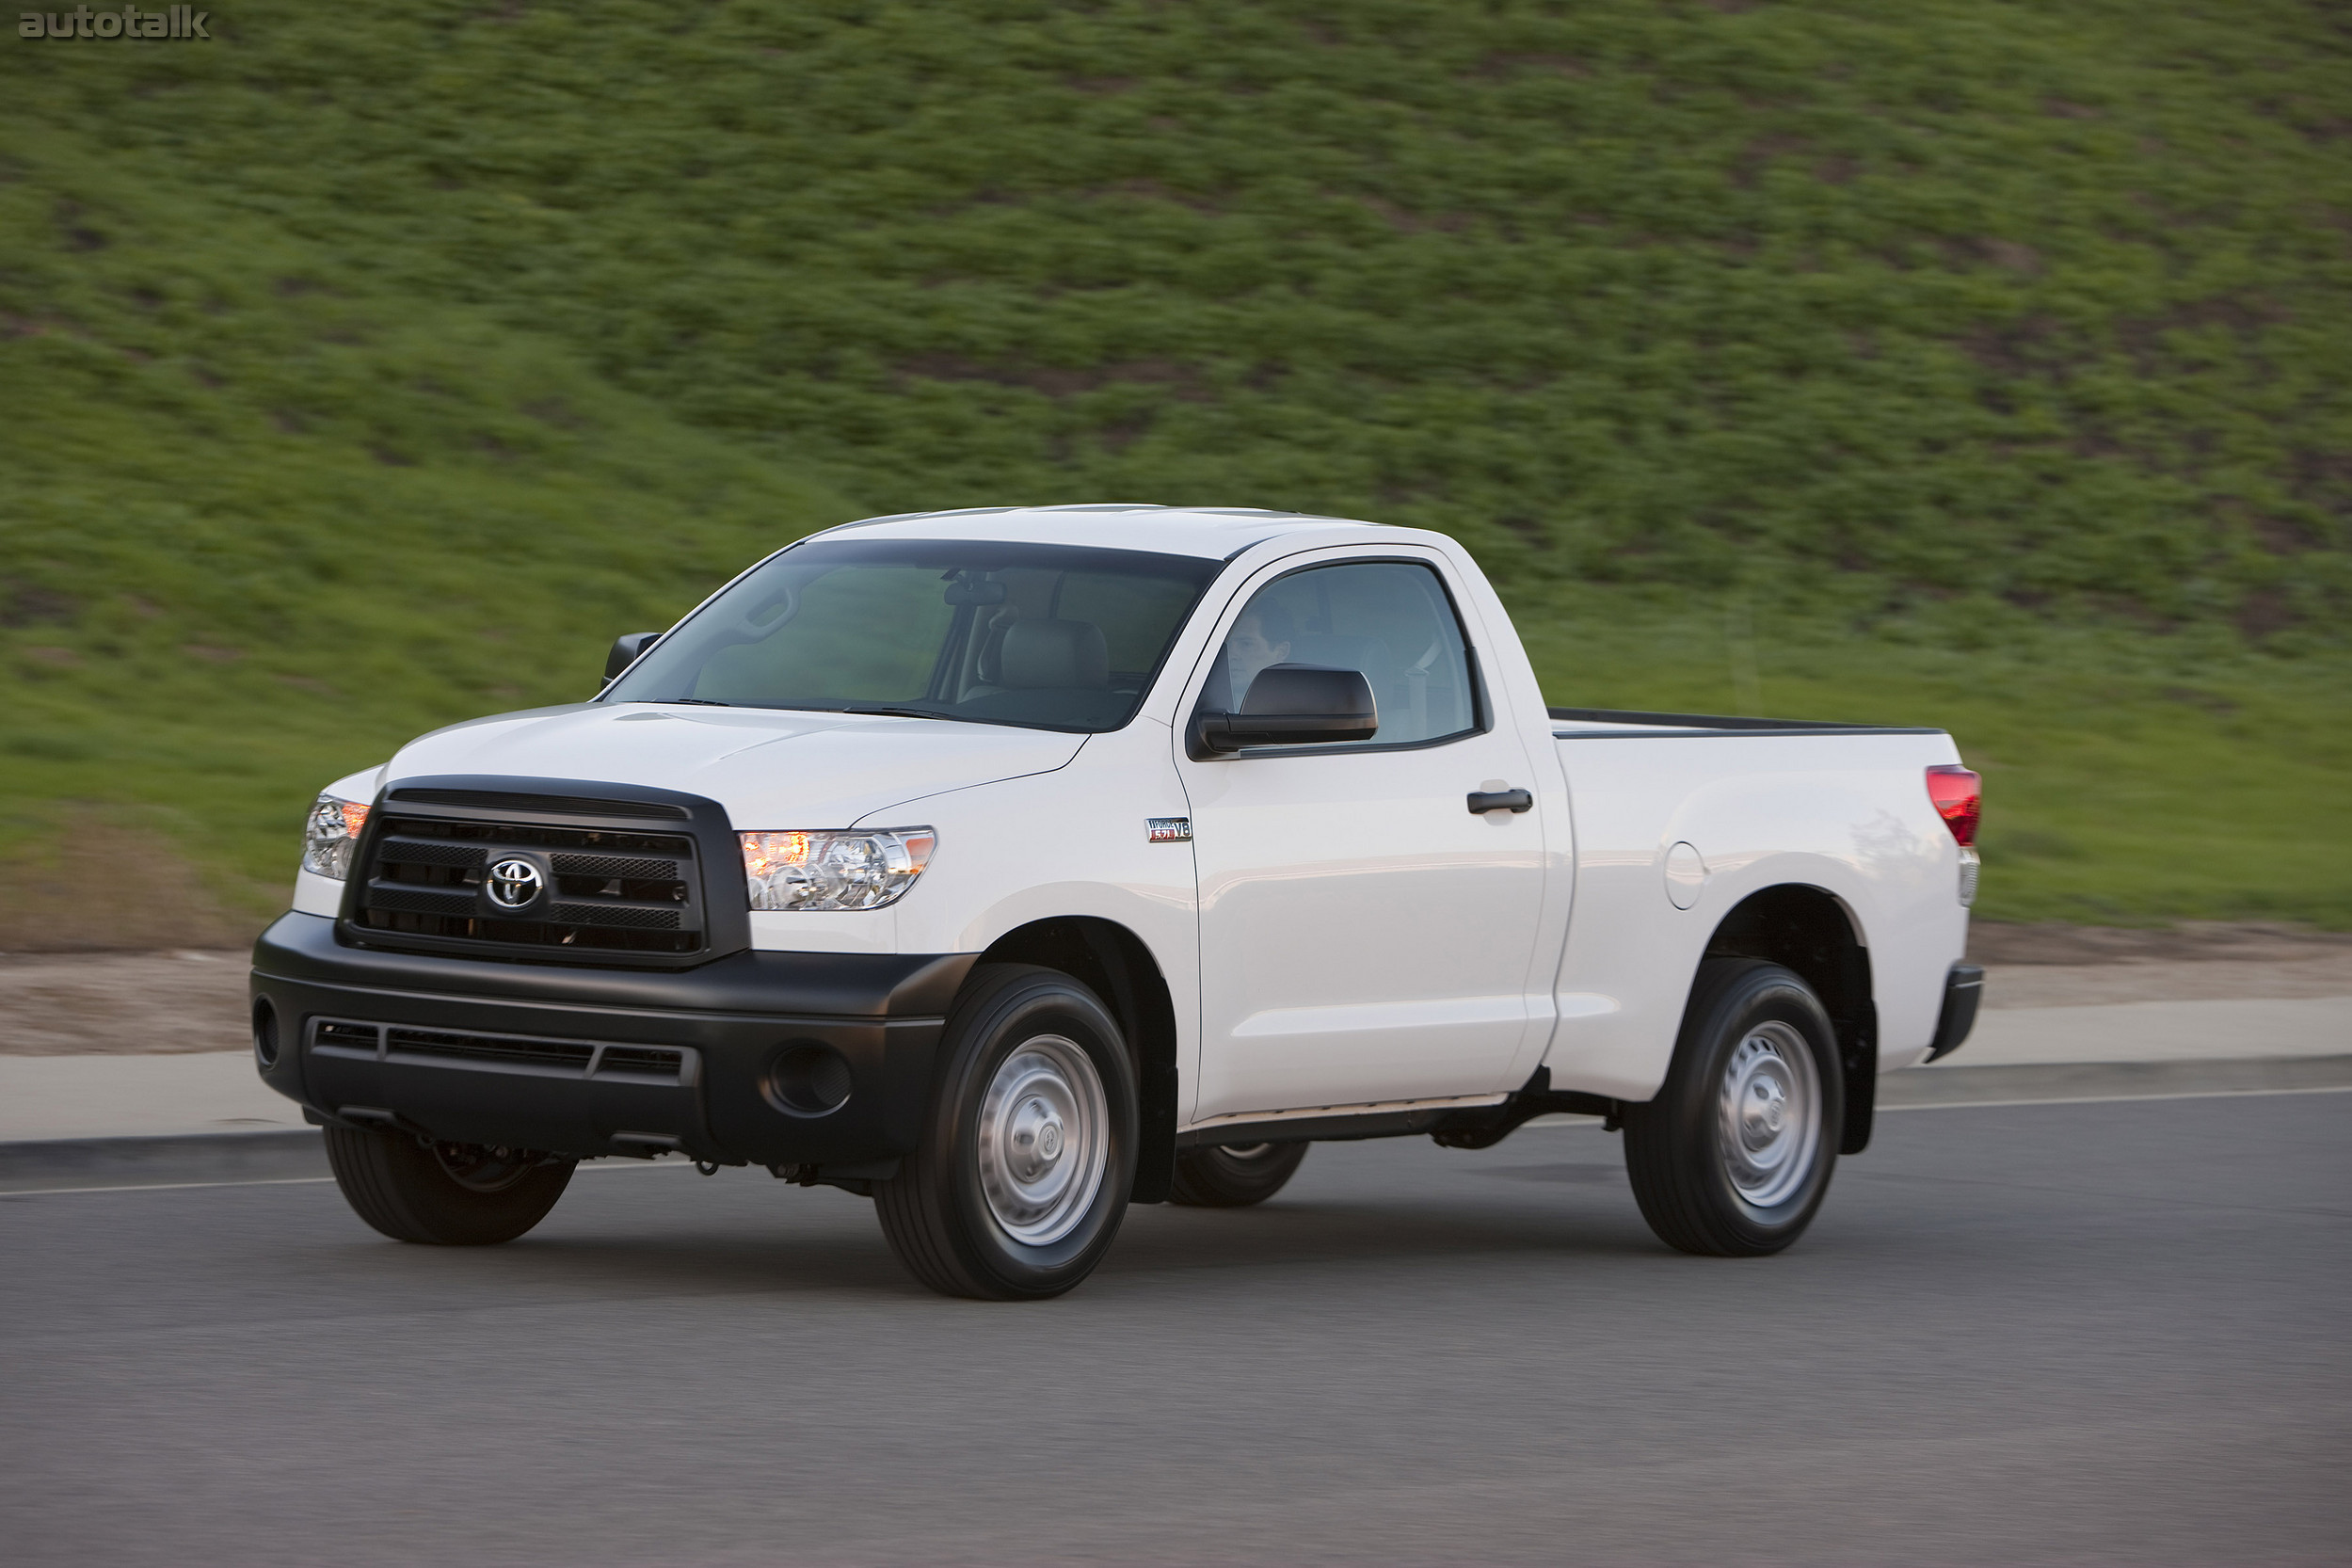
[{"x": 1959, "y": 796}]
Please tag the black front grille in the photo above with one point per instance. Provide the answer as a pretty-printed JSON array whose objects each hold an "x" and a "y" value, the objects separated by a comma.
[
  {"x": 615, "y": 915},
  {"x": 423, "y": 853},
  {"x": 602, "y": 866},
  {"x": 640, "y": 1062},
  {"x": 352, "y": 1039},
  {"x": 574, "y": 805},
  {"x": 562, "y": 1055},
  {"x": 422, "y": 901},
  {"x": 605, "y": 889},
  {"x": 416, "y": 1047}
]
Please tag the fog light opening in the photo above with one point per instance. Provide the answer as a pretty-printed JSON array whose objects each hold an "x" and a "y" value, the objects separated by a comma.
[
  {"x": 265, "y": 1034},
  {"x": 809, "y": 1081}
]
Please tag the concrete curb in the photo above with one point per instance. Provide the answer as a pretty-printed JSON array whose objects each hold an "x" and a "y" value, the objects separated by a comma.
[
  {"x": 250, "y": 1157},
  {"x": 30, "y": 1166},
  {"x": 2076, "y": 1080}
]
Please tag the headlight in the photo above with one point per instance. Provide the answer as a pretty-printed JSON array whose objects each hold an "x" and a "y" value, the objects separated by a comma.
[
  {"x": 327, "y": 841},
  {"x": 834, "y": 870}
]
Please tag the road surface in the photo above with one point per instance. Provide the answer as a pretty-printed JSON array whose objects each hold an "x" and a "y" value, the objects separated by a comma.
[{"x": 2107, "y": 1332}]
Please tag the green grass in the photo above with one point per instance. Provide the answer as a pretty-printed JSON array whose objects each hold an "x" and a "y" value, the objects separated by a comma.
[
  {"x": 1955, "y": 364},
  {"x": 253, "y": 537},
  {"x": 2128, "y": 779}
]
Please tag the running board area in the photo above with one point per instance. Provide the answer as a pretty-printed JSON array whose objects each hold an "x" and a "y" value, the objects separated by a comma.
[{"x": 1476, "y": 1127}]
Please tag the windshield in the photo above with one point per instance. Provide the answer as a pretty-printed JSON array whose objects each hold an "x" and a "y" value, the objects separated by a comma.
[{"x": 1049, "y": 636}]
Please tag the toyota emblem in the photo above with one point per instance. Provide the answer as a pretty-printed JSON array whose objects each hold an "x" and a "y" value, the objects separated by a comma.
[{"x": 515, "y": 882}]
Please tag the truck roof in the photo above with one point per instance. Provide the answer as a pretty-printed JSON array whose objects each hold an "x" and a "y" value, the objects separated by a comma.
[{"x": 1217, "y": 532}]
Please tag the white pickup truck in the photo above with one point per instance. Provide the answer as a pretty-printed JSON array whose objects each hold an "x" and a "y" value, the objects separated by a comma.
[{"x": 1012, "y": 866}]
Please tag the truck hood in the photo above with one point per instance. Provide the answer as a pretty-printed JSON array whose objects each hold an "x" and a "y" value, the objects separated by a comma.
[{"x": 770, "y": 768}]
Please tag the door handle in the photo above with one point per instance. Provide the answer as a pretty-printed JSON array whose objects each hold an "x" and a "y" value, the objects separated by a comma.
[{"x": 1483, "y": 801}]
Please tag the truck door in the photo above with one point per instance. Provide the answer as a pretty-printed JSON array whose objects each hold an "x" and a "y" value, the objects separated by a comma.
[{"x": 1364, "y": 935}]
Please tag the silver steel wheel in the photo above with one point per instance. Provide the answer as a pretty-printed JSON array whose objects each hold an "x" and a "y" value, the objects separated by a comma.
[
  {"x": 1771, "y": 1116},
  {"x": 1044, "y": 1139}
]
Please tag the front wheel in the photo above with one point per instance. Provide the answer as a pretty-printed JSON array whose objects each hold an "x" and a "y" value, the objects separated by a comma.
[
  {"x": 1233, "y": 1175},
  {"x": 1733, "y": 1156},
  {"x": 1028, "y": 1150},
  {"x": 444, "y": 1194}
]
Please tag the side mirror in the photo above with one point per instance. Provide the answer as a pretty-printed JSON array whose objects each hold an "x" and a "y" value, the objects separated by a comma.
[
  {"x": 1291, "y": 705},
  {"x": 625, "y": 651}
]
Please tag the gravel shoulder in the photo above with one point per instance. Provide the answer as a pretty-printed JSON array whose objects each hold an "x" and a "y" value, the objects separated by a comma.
[
  {"x": 122, "y": 1003},
  {"x": 2074, "y": 966},
  {"x": 2020, "y": 985}
]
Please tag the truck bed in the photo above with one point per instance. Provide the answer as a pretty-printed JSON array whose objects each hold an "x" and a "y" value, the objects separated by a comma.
[
  {"x": 1669, "y": 840},
  {"x": 1602, "y": 723}
]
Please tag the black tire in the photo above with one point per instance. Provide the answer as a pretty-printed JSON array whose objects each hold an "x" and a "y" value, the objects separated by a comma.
[
  {"x": 958, "y": 1213},
  {"x": 1229, "y": 1175},
  {"x": 443, "y": 1195},
  {"x": 1709, "y": 1165}
]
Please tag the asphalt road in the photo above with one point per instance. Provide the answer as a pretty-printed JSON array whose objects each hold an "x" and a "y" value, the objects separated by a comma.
[{"x": 2081, "y": 1332}]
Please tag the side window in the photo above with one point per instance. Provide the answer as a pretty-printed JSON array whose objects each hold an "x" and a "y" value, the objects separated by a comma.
[{"x": 1390, "y": 620}]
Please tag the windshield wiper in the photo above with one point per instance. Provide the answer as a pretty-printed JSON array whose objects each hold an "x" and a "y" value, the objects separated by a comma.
[
  {"x": 698, "y": 701},
  {"x": 899, "y": 712}
]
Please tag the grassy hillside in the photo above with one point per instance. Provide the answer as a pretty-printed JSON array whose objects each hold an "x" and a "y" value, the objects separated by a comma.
[
  {"x": 1953, "y": 363},
  {"x": 255, "y": 531},
  {"x": 2128, "y": 779}
]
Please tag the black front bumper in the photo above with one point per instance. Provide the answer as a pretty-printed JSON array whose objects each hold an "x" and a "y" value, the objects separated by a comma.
[{"x": 529, "y": 1072}]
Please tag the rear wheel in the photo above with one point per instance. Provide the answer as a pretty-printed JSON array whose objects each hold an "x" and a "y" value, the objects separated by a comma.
[
  {"x": 444, "y": 1194},
  {"x": 1733, "y": 1156},
  {"x": 1233, "y": 1175},
  {"x": 1028, "y": 1151}
]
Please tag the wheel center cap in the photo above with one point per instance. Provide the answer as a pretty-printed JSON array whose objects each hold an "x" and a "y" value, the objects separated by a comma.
[
  {"x": 1037, "y": 1135},
  {"x": 1769, "y": 1109}
]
